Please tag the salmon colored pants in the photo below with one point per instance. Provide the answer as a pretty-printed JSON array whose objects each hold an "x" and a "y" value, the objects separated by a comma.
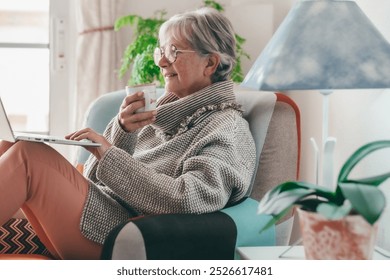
[{"x": 51, "y": 193}]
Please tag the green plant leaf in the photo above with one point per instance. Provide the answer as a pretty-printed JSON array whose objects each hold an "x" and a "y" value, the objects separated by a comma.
[
  {"x": 125, "y": 20},
  {"x": 332, "y": 211},
  {"x": 213, "y": 4},
  {"x": 274, "y": 205},
  {"x": 310, "y": 203},
  {"x": 286, "y": 195},
  {"x": 138, "y": 55},
  {"x": 274, "y": 219},
  {"x": 144, "y": 70},
  {"x": 373, "y": 181},
  {"x": 358, "y": 155},
  {"x": 367, "y": 200}
]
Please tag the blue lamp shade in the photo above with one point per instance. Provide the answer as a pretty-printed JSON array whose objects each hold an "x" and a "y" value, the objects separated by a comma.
[{"x": 323, "y": 45}]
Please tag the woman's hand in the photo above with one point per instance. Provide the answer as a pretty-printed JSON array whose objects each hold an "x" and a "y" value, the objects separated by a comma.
[
  {"x": 90, "y": 134},
  {"x": 129, "y": 120}
]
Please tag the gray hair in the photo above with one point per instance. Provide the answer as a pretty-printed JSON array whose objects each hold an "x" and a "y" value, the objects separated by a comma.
[{"x": 207, "y": 31}]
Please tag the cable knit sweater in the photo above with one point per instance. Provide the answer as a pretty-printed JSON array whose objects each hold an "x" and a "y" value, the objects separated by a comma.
[{"x": 197, "y": 157}]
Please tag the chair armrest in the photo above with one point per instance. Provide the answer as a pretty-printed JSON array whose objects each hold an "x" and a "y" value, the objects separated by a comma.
[
  {"x": 173, "y": 237},
  {"x": 189, "y": 236}
]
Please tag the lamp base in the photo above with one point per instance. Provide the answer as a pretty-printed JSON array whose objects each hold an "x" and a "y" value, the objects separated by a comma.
[{"x": 324, "y": 162}]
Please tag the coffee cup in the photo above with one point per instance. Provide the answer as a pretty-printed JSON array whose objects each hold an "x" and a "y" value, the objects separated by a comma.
[{"x": 150, "y": 95}]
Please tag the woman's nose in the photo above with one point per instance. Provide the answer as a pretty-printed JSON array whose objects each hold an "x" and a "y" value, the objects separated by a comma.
[{"x": 163, "y": 62}]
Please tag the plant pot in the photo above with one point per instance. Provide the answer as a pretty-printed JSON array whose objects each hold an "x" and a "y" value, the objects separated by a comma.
[{"x": 350, "y": 238}]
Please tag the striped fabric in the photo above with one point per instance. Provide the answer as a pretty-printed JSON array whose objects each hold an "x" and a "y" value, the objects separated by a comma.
[{"x": 18, "y": 237}]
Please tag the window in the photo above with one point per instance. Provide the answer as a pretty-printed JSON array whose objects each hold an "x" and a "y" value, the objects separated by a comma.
[
  {"x": 35, "y": 47},
  {"x": 24, "y": 68}
]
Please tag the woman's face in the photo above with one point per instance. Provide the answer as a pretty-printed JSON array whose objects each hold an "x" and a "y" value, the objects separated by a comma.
[{"x": 188, "y": 74}]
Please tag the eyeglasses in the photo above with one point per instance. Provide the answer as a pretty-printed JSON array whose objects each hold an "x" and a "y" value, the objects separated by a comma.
[{"x": 169, "y": 52}]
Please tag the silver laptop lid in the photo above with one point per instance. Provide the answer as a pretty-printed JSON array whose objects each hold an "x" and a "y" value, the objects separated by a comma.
[
  {"x": 7, "y": 134},
  {"x": 5, "y": 128}
]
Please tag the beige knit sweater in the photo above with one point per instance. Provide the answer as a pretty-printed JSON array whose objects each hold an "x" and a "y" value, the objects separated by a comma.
[{"x": 197, "y": 157}]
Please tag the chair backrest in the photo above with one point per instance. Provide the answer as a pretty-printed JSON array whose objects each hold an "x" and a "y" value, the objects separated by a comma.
[{"x": 274, "y": 120}]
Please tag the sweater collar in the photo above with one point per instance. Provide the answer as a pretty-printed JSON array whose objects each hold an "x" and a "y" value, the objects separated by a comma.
[{"x": 172, "y": 111}]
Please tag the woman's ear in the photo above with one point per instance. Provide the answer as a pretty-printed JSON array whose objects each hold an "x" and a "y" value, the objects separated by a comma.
[{"x": 212, "y": 64}]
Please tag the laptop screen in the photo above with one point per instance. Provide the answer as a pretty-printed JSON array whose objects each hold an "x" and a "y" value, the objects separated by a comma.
[{"x": 5, "y": 128}]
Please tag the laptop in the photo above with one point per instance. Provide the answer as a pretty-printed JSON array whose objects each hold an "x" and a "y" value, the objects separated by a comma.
[{"x": 6, "y": 133}]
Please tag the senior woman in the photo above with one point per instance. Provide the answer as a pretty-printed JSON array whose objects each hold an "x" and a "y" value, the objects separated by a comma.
[{"x": 193, "y": 154}]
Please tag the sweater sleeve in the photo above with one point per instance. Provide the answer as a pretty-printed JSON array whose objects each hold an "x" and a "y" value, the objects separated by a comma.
[
  {"x": 219, "y": 170},
  {"x": 117, "y": 137}
]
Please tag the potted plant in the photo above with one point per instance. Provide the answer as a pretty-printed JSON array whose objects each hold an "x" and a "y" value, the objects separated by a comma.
[
  {"x": 138, "y": 56},
  {"x": 332, "y": 220}
]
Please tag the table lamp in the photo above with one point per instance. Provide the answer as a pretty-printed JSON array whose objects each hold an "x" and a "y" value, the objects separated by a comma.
[{"x": 323, "y": 45}]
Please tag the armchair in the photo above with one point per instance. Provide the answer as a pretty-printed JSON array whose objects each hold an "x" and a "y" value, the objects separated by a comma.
[{"x": 274, "y": 121}]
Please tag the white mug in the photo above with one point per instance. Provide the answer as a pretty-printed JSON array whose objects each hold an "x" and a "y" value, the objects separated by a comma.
[{"x": 150, "y": 95}]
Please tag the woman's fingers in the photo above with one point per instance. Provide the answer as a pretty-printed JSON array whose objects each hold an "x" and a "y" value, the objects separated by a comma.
[
  {"x": 136, "y": 117},
  {"x": 90, "y": 134},
  {"x": 80, "y": 134},
  {"x": 129, "y": 119},
  {"x": 137, "y": 98},
  {"x": 131, "y": 124}
]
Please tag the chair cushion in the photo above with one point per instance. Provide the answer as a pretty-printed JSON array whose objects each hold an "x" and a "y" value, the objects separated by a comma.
[{"x": 248, "y": 224}]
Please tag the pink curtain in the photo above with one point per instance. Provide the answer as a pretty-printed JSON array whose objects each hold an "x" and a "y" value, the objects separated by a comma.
[{"x": 98, "y": 52}]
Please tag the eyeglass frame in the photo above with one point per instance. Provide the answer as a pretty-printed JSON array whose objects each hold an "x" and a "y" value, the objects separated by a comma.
[{"x": 159, "y": 53}]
